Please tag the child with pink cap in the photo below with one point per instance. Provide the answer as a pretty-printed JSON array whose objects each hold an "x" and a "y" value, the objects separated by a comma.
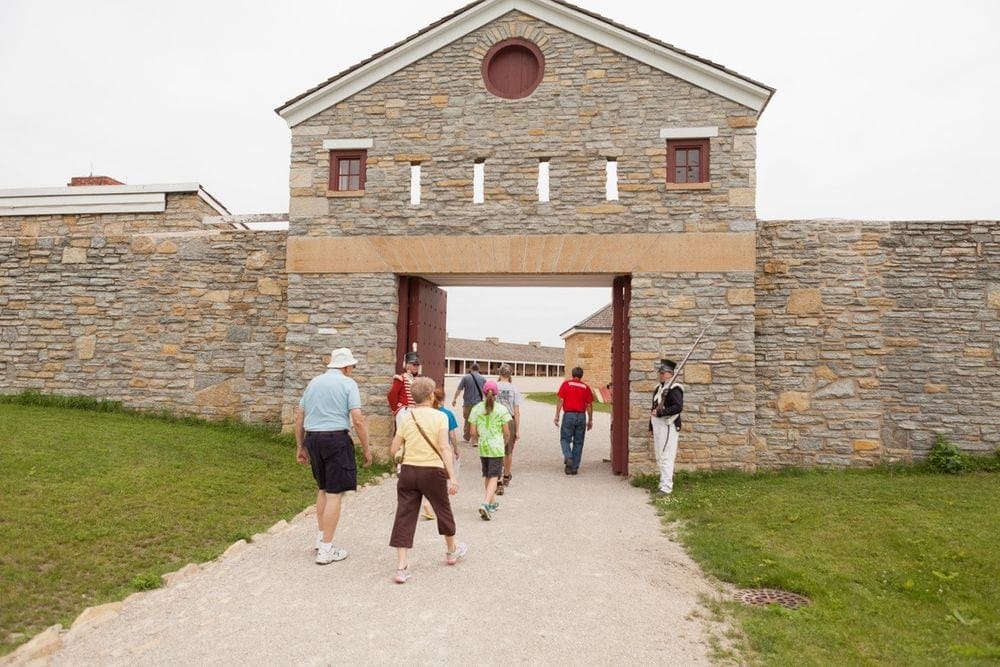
[{"x": 490, "y": 422}]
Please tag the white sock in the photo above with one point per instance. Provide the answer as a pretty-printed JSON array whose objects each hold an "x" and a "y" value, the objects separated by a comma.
[{"x": 325, "y": 546}]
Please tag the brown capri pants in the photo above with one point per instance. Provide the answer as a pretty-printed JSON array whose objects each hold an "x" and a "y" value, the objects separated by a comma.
[{"x": 416, "y": 483}]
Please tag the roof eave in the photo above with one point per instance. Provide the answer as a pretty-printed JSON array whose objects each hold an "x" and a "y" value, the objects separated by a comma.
[
  {"x": 101, "y": 198},
  {"x": 631, "y": 43},
  {"x": 578, "y": 330}
]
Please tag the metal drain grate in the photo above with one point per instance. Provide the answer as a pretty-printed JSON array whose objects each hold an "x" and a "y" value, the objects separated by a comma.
[{"x": 765, "y": 596}]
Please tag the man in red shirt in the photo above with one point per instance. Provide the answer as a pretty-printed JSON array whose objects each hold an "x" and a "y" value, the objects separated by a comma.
[{"x": 576, "y": 402}]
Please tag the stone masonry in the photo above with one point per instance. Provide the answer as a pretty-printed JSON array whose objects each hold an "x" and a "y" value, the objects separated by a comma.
[
  {"x": 343, "y": 310},
  {"x": 188, "y": 321},
  {"x": 592, "y": 352},
  {"x": 667, "y": 313},
  {"x": 592, "y": 104},
  {"x": 874, "y": 336},
  {"x": 837, "y": 343}
]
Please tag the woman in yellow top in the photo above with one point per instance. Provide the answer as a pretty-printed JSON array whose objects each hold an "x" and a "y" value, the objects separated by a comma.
[{"x": 421, "y": 446}]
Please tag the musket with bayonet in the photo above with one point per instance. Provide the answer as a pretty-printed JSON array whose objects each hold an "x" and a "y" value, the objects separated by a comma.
[{"x": 680, "y": 366}]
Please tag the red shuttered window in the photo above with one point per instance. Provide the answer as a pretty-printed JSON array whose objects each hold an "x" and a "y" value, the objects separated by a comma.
[
  {"x": 347, "y": 170},
  {"x": 687, "y": 161}
]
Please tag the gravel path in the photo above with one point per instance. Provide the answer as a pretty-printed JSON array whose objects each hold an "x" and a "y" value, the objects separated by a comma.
[{"x": 571, "y": 570}]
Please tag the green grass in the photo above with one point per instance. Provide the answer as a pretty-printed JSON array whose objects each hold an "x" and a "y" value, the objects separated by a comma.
[
  {"x": 99, "y": 502},
  {"x": 902, "y": 566},
  {"x": 551, "y": 398}
]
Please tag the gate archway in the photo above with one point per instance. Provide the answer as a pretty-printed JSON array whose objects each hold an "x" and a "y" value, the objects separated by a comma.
[
  {"x": 422, "y": 325},
  {"x": 345, "y": 291}
]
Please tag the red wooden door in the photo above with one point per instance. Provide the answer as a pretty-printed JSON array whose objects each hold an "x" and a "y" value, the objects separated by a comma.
[
  {"x": 621, "y": 361},
  {"x": 423, "y": 313}
]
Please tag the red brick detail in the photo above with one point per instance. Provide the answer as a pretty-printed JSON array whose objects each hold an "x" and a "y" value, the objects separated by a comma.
[{"x": 93, "y": 180}]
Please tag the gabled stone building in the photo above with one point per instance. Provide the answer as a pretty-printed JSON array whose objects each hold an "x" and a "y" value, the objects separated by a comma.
[
  {"x": 588, "y": 345},
  {"x": 530, "y": 142}
]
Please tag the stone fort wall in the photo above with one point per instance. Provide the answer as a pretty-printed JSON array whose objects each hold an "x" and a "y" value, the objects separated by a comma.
[
  {"x": 874, "y": 336},
  {"x": 136, "y": 309},
  {"x": 838, "y": 343},
  {"x": 868, "y": 337}
]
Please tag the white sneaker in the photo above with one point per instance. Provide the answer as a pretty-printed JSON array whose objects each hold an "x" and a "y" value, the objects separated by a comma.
[
  {"x": 402, "y": 575},
  {"x": 331, "y": 555},
  {"x": 451, "y": 557}
]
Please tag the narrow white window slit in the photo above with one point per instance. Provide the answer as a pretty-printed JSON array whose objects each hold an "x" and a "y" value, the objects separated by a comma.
[
  {"x": 611, "y": 182},
  {"x": 543, "y": 179},
  {"x": 415, "y": 183},
  {"x": 478, "y": 179}
]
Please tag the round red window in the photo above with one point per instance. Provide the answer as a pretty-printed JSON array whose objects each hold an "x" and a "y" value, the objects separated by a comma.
[{"x": 513, "y": 68}]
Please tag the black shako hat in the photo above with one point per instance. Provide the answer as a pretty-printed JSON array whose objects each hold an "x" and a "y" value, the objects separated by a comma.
[
  {"x": 666, "y": 366},
  {"x": 411, "y": 358}
]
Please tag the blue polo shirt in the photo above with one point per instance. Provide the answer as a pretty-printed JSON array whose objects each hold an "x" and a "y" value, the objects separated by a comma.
[{"x": 328, "y": 401}]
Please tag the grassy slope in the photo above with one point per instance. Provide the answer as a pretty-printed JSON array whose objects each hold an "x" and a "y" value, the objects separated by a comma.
[
  {"x": 903, "y": 568},
  {"x": 97, "y": 505}
]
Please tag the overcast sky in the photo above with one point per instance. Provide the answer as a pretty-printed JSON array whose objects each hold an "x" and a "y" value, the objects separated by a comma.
[{"x": 884, "y": 110}]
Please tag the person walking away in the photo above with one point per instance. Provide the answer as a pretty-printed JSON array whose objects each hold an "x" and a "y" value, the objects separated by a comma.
[
  {"x": 400, "y": 394},
  {"x": 665, "y": 418},
  {"x": 330, "y": 405},
  {"x": 426, "y": 471},
  {"x": 490, "y": 423},
  {"x": 471, "y": 388},
  {"x": 427, "y": 511},
  {"x": 510, "y": 397},
  {"x": 576, "y": 402}
]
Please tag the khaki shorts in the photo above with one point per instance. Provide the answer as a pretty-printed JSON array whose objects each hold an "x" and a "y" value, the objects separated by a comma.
[{"x": 508, "y": 445}]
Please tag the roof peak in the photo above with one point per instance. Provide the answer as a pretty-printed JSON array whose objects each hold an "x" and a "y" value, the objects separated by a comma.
[
  {"x": 601, "y": 319},
  {"x": 586, "y": 24}
]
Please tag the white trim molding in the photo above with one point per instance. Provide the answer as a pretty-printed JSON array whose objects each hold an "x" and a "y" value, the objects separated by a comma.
[
  {"x": 689, "y": 132},
  {"x": 674, "y": 62},
  {"x": 347, "y": 144},
  {"x": 87, "y": 199},
  {"x": 583, "y": 330}
]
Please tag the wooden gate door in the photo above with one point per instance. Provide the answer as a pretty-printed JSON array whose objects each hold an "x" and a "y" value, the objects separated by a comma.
[
  {"x": 621, "y": 361},
  {"x": 423, "y": 313}
]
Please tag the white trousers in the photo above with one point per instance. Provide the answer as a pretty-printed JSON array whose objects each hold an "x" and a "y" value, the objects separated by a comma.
[
  {"x": 665, "y": 446},
  {"x": 400, "y": 415}
]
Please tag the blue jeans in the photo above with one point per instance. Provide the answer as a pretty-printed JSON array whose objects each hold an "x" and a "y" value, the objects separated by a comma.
[{"x": 573, "y": 430}]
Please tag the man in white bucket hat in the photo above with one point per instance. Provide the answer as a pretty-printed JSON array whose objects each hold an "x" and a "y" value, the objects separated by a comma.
[{"x": 329, "y": 407}]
